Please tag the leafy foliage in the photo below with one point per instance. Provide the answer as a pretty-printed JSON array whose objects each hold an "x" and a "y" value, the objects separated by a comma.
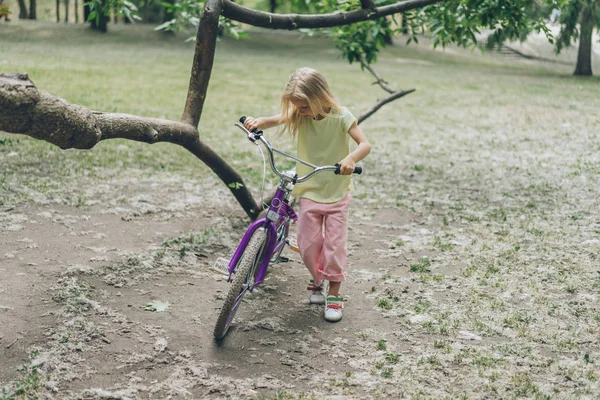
[
  {"x": 187, "y": 14},
  {"x": 466, "y": 23},
  {"x": 124, "y": 8}
]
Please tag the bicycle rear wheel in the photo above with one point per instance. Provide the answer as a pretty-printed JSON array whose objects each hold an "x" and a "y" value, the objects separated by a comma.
[{"x": 244, "y": 279}]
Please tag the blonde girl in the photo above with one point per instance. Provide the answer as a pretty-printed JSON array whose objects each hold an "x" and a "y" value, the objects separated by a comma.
[{"x": 322, "y": 129}]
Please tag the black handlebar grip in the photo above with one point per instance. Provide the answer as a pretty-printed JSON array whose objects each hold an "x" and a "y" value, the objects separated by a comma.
[
  {"x": 255, "y": 130},
  {"x": 357, "y": 170}
]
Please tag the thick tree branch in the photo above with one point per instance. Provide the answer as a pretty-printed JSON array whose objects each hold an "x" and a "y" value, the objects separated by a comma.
[
  {"x": 383, "y": 102},
  {"x": 32, "y": 112},
  {"x": 246, "y": 15},
  {"x": 204, "y": 56}
]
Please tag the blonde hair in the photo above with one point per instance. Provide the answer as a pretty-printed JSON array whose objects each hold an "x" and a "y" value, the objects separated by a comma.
[{"x": 309, "y": 85}]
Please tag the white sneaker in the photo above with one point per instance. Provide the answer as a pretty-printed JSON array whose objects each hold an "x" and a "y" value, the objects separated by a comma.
[
  {"x": 333, "y": 308},
  {"x": 317, "y": 296}
]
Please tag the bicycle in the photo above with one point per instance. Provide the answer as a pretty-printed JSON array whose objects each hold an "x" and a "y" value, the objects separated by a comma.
[{"x": 265, "y": 238}]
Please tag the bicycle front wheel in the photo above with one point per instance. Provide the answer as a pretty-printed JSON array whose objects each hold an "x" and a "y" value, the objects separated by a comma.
[{"x": 244, "y": 278}]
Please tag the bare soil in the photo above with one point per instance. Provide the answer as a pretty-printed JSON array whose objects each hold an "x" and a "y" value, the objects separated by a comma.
[{"x": 75, "y": 282}]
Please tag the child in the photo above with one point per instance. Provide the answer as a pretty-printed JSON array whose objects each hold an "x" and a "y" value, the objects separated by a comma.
[{"x": 311, "y": 115}]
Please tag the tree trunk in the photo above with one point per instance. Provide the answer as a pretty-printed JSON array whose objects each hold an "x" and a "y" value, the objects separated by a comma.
[
  {"x": 22, "y": 9},
  {"x": 273, "y": 5},
  {"x": 57, "y": 10},
  {"x": 204, "y": 55},
  {"x": 76, "y": 11},
  {"x": 388, "y": 36},
  {"x": 32, "y": 9},
  {"x": 584, "y": 54},
  {"x": 100, "y": 23},
  {"x": 66, "y": 11},
  {"x": 169, "y": 15}
]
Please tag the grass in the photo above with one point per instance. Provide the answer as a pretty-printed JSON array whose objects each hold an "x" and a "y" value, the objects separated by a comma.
[{"x": 494, "y": 160}]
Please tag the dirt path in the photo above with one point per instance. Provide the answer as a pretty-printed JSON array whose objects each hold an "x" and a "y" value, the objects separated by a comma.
[{"x": 75, "y": 285}]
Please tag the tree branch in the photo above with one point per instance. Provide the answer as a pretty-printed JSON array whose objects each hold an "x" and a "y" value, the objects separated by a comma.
[
  {"x": 246, "y": 15},
  {"x": 380, "y": 81},
  {"x": 204, "y": 56},
  {"x": 32, "y": 112},
  {"x": 383, "y": 102}
]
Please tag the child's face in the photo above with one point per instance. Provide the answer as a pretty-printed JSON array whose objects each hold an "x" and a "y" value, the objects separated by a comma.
[{"x": 303, "y": 108}]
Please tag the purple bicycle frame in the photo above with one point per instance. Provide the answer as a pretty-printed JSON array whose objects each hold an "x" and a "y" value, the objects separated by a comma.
[{"x": 283, "y": 210}]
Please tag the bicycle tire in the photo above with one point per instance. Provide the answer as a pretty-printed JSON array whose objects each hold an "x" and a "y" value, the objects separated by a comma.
[{"x": 244, "y": 273}]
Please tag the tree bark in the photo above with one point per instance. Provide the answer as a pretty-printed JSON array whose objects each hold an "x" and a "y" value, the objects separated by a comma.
[
  {"x": 204, "y": 56},
  {"x": 22, "y": 9},
  {"x": 584, "y": 53},
  {"x": 32, "y": 9},
  {"x": 67, "y": 11},
  {"x": 57, "y": 10},
  {"x": 312, "y": 21}
]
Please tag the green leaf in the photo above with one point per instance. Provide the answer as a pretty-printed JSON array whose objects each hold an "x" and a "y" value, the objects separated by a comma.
[
  {"x": 235, "y": 185},
  {"x": 157, "y": 306}
]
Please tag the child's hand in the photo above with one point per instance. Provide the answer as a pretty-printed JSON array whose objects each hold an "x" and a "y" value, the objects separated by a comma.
[
  {"x": 251, "y": 124},
  {"x": 347, "y": 166}
]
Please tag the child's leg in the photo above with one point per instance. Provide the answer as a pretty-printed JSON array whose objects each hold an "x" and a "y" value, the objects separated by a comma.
[
  {"x": 334, "y": 289},
  {"x": 310, "y": 238},
  {"x": 335, "y": 245}
]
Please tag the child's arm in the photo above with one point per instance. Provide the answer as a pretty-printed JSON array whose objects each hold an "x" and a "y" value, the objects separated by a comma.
[
  {"x": 363, "y": 150},
  {"x": 262, "y": 122}
]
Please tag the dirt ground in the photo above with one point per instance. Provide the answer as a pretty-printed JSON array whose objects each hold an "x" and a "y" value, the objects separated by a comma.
[{"x": 75, "y": 282}]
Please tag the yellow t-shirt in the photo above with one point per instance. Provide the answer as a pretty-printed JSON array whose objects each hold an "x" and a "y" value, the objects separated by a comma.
[{"x": 324, "y": 142}]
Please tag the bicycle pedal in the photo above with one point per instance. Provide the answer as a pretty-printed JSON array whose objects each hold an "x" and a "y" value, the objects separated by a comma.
[
  {"x": 293, "y": 245},
  {"x": 281, "y": 259},
  {"x": 221, "y": 265}
]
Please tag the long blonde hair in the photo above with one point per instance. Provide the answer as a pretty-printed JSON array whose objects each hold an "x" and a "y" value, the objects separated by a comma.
[{"x": 309, "y": 85}]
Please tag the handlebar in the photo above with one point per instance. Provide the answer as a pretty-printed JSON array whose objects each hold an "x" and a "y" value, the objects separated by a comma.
[{"x": 258, "y": 135}]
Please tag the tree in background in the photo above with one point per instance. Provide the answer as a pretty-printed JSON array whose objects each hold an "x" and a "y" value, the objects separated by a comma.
[
  {"x": 23, "y": 14},
  {"x": 577, "y": 20},
  {"x": 32, "y": 9}
]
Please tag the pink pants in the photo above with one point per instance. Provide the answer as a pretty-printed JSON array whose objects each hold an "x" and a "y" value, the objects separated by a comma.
[{"x": 323, "y": 238}]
